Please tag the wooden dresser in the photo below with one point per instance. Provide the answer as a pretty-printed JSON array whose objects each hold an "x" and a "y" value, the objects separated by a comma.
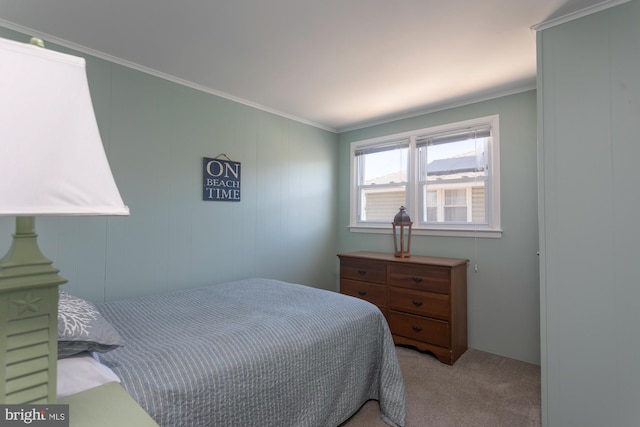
[{"x": 424, "y": 299}]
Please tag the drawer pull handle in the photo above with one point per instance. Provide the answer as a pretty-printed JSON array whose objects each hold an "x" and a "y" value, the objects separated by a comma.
[
  {"x": 416, "y": 328},
  {"x": 417, "y": 303},
  {"x": 417, "y": 279},
  {"x": 362, "y": 293},
  {"x": 362, "y": 272}
]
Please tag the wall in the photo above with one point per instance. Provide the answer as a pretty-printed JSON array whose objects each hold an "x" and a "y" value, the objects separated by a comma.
[
  {"x": 155, "y": 133},
  {"x": 503, "y": 295},
  {"x": 295, "y": 192},
  {"x": 589, "y": 111}
]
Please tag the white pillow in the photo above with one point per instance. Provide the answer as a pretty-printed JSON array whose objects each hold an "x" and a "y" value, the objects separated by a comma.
[{"x": 82, "y": 372}]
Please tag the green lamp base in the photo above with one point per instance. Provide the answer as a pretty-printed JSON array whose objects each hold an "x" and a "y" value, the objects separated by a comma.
[{"x": 29, "y": 318}]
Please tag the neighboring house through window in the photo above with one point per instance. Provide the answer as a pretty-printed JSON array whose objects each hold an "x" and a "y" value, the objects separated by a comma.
[{"x": 447, "y": 177}]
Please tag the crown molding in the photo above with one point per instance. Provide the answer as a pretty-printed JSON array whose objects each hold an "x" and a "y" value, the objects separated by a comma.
[
  {"x": 440, "y": 107},
  {"x": 101, "y": 55},
  {"x": 578, "y": 14}
]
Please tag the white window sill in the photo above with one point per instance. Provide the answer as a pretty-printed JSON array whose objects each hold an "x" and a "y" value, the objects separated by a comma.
[{"x": 442, "y": 232}]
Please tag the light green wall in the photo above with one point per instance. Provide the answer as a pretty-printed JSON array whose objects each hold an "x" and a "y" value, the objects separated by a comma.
[
  {"x": 292, "y": 219},
  {"x": 589, "y": 103},
  {"x": 503, "y": 295},
  {"x": 155, "y": 133}
]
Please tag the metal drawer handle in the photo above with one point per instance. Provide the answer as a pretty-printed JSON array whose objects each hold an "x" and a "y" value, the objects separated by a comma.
[
  {"x": 362, "y": 293},
  {"x": 362, "y": 272},
  {"x": 417, "y": 279},
  {"x": 416, "y": 328},
  {"x": 417, "y": 303}
]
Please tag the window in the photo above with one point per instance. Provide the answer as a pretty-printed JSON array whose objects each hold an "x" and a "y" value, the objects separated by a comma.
[
  {"x": 447, "y": 177},
  {"x": 383, "y": 175}
]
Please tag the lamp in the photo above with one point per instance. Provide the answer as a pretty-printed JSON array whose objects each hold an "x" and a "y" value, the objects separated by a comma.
[
  {"x": 52, "y": 162},
  {"x": 402, "y": 234}
]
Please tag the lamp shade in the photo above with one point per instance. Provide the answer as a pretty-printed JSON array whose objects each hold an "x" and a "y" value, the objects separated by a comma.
[{"x": 52, "y": 161}]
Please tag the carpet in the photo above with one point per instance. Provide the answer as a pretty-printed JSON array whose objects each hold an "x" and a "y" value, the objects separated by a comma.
[{"x": 480, "y": 390}]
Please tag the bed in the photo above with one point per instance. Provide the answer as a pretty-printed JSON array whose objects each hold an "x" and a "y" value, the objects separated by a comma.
[{"x": 254, "y": 352}]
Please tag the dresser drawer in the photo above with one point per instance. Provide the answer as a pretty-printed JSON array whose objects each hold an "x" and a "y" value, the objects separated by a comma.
[
  {"x": 373, "y": 293},
  {"x": 423, "y": 329},
  {"x": 367, "y": 271},
  {"x": 420, "y": 303},
  {"x": 432, "y": 279}
]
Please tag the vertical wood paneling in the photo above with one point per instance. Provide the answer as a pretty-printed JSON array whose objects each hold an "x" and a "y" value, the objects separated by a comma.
[
  {"x": 589, "y": 147},
  {"x": 503, "y": 294},
  {"x": 625, "y": 136},
  {"x": 155, "y": 133}
]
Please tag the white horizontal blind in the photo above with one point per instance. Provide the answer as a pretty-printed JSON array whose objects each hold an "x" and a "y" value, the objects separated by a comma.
[{"x": 483, "y": 131}]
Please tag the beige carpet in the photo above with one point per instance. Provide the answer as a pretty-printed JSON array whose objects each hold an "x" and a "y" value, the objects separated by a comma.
[{"x": 480, "y": 390}]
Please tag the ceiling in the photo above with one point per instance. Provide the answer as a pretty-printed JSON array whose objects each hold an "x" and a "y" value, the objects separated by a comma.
[{"x": 335, "y": 64}]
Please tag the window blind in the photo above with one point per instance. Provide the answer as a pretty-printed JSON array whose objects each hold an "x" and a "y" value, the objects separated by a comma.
[
  {"x": 483, "y": 131},
  {"x": 386, "y": 146}
]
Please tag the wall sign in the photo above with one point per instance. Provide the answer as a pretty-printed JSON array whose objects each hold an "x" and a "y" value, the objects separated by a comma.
[{"x": 221, "y": 179}]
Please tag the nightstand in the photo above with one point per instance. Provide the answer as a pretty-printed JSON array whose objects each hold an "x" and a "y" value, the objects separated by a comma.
[{"x": 106, "y": 406}]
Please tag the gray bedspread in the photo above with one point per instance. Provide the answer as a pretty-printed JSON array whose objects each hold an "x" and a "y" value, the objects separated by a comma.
[{"x": 255, "y": 352}]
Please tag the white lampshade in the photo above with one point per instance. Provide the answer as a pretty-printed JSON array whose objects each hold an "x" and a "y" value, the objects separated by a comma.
[{"x": 52, "y": 161}]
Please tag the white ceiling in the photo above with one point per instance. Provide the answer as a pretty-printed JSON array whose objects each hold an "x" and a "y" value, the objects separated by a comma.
[{"x": 336, "y": 64}]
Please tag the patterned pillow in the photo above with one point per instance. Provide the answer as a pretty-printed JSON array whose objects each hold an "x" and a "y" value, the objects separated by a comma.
[{"x": 81, "y": 327}]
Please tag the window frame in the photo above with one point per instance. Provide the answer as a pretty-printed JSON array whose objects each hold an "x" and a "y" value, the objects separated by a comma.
[{"x": 491, "y": 229}]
